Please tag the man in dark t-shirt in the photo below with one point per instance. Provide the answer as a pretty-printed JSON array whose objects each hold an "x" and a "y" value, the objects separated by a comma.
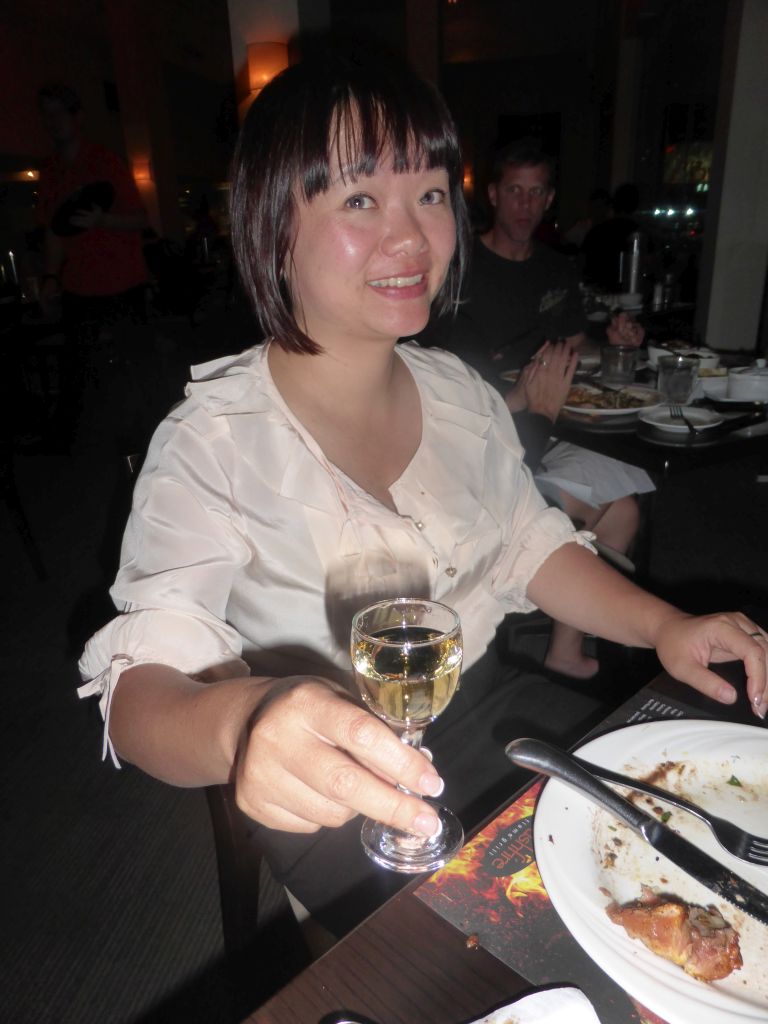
[
  {"x": 521, "y": 309},
  {"x": 511, "y": 307}
]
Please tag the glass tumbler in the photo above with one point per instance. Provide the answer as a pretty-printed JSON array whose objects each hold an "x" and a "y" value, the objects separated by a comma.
[
  {"x": 617, "y": 365},
  {"x": 677, "y": 378}
]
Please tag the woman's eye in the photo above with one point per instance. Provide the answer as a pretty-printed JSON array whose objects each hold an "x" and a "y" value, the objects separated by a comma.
[
  {"x": 359, "y": 202},
  {"x": 434, "y": 197}
]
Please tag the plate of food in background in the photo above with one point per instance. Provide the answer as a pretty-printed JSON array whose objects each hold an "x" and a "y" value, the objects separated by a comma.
[{"x": 588, "y": 401}]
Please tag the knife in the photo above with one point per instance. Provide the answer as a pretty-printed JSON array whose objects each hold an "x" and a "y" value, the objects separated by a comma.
[
  {"x": 542, "y": 757},
  {"x": 737, "y": 422}
]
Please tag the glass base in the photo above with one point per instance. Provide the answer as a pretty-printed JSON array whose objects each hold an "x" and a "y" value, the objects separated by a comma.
[{"x": 413, "y": 854}]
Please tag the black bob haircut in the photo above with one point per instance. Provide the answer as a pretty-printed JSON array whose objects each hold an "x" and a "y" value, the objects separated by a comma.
[{"x": 362, "y": 105}]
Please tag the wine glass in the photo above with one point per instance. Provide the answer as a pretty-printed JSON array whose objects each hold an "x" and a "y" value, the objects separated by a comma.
[{"x": 407, "y": 655}]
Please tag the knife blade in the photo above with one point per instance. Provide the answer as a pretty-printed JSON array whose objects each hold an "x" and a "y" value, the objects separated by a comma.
[{"x": 542, "y": 757}]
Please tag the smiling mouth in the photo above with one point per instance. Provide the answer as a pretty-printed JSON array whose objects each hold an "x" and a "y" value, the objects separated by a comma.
[{"x": 397, "y": 282}]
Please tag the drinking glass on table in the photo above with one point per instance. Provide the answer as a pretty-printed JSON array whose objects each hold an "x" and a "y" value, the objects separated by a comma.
[
  {"x": 406, "y": 655},
  {"x": 677, "y": 378},
  {"x": 617, "y": 365}
]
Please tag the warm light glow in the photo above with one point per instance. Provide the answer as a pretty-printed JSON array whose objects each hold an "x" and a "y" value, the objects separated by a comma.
[
  {"x": 29, "y": 175},
  {"x": 142, "y": 169},
  {"x": 265, "y": 60}
]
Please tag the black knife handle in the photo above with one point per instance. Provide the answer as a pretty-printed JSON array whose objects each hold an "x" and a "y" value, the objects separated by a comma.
[{"x": 542, "y": 757}]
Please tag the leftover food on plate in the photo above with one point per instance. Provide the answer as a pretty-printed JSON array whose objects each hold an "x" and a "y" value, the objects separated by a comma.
[
  {"x": 587, "y": 398},
  {"x": 712, "y": 371},
  {"x": 698, "y": 939}
]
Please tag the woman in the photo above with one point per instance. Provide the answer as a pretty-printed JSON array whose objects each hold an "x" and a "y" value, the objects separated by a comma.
[{"x": 327, "y": 468}]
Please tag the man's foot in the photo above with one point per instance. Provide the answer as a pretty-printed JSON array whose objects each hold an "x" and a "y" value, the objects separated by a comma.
[{"x": 576, "y": 666}]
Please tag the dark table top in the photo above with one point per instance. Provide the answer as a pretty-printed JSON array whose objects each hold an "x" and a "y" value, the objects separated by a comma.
[
  {"x": 634, "y": 444},
  {"x": 406, "y": 964}
]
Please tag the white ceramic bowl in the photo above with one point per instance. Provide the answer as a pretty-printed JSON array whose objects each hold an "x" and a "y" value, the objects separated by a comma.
[
  {"x": 708, "y": 360},
  {"x": 748, "y": 384}
]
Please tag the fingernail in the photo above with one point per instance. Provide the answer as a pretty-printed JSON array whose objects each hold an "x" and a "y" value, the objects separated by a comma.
[
  {"x": 726, "y": 695},
  {"x": 427, "y": 824},
  {"x": 431, "y": 784},
  {"x": 761, "y": 709}
]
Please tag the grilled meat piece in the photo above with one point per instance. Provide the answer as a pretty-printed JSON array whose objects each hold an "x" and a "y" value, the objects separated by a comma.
[{"x": 698, "y": 939}]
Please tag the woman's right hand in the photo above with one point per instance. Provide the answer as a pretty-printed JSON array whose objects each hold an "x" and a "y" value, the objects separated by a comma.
[{"x": 310, "y": 757}]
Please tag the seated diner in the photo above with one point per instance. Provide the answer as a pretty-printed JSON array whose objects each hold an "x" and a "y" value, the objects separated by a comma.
[{"x": 329, "y": 467}]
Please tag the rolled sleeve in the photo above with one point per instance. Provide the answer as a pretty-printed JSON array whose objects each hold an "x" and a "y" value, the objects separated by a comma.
[
  {"x": 156, "y": 637},
  {"x": 180, "y": 553},
  {"x": 522, "y": 560}
]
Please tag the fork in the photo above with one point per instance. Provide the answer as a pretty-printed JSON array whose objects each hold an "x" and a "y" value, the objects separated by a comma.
[
  {"x": 735, "y": 840},
  {"x": 677, "y": 414}
]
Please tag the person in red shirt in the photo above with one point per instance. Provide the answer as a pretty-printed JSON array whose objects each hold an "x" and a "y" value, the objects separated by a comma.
[
  {"x": 93, "y": 218},
  {"x": 96, "y": 251}
]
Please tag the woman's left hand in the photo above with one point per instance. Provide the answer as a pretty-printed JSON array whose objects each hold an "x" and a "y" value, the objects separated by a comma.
[
  {"x": 623, "y": 330},
  {"x": 687, "y": 645}
]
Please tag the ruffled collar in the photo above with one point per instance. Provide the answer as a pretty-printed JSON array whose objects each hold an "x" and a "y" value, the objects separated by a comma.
[{"x": 456, "y": 417}]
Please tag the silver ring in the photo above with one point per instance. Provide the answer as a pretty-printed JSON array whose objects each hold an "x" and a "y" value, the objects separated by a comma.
[{"x": 759, "y": 633}]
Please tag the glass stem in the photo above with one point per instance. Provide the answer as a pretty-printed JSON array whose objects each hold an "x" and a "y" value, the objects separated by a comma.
[{"x": 412, "y": 738}]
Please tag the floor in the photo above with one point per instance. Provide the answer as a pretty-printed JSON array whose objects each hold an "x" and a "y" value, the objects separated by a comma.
[{"x": 111, "y": 903}]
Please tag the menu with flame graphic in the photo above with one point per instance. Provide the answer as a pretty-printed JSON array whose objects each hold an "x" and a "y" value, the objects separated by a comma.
[{"x": 493, "y": 891}]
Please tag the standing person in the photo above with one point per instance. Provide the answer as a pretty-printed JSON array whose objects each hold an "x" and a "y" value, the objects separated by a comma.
[
  {"x": 521, "y": 308},
  {"x": 328, "y": 466},
  {"x": 605, "y": 242},
  {"x": 92, "y": 250},
  {"x": 598, "y": 212}
]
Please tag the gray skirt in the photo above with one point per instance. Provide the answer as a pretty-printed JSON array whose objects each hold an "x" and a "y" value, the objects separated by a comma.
[{"x": 592, "y": 478}]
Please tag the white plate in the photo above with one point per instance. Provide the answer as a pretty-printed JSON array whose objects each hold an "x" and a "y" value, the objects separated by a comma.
[
  {"x": 662, "y": 419},
  {"x": 651, "y": 398},
  {"x": 571, "y": 834}
]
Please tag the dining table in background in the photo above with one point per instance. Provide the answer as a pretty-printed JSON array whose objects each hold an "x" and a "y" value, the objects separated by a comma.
[
  {"x": 665, "y": 457},
  {"x": 407, "y": 963},
  {"x": 664, "y": 454}
]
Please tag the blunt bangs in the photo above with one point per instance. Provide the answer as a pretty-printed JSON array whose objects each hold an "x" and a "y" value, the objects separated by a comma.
[{"x": 331, "y": 112}]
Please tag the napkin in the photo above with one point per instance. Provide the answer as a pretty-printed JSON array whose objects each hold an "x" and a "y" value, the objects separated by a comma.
[{"x": 554, "y": 1006}]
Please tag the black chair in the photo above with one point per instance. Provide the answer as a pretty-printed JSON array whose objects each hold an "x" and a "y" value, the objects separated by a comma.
[{"x": 264, "y": 943}]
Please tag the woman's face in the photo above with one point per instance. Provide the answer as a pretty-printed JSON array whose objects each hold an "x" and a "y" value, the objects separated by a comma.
[{"x": 370, "y": 255}]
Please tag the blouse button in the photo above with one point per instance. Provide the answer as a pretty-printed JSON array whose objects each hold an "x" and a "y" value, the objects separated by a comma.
[
  {"x": 451, "y": 571},
  {"x": 418, "y": 524}
]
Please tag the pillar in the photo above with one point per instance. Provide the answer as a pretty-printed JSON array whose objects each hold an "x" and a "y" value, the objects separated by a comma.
[
  {"x": 144, "y": 112},
  {"x": 735, "y": 249}
]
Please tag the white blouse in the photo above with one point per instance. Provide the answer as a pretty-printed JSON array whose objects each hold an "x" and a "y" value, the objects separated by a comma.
[{"x": 248, "y": 551}]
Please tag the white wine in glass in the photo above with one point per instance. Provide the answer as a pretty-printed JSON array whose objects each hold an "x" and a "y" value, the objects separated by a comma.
[{"x": 406, "y": 655}]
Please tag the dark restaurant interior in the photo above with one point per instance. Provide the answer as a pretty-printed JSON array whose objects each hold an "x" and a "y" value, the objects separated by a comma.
[{"x": 112, "y": 907}]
